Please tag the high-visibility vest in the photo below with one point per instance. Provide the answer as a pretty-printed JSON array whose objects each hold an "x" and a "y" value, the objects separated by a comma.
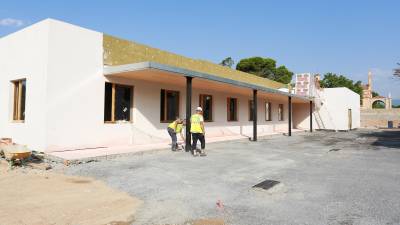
[
  {"x": 195, "y": 125},
  {"x": 176, "y": 127}
]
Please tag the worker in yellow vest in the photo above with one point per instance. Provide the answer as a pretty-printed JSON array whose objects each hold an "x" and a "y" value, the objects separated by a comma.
[
  {"x": 198, "y": 132},
  {"x": 174, "y": 128}
]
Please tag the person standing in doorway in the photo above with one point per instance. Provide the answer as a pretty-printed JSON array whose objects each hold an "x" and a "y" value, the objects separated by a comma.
[
  {"x": 198, "y": 132},
  {"x": 174, "y": 128}
]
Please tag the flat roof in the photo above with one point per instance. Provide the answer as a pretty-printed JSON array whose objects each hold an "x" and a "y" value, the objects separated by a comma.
[{"x": 110, "y": 70}]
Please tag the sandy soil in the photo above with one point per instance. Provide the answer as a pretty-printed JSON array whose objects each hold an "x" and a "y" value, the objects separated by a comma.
[{"x": 37, "y": 197}]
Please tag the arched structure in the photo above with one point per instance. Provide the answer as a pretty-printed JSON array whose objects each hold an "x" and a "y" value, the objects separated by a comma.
[{"x": 368, "y": 99}]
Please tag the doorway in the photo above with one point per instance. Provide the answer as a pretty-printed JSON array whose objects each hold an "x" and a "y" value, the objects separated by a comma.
[{"x": 350, "y": 119}]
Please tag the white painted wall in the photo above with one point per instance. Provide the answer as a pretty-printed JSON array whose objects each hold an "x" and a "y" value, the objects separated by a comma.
[
  {"x": 334, "y": 111},
  {"x": 63, "y": 65},
  {"x": 24, "y": 54}
]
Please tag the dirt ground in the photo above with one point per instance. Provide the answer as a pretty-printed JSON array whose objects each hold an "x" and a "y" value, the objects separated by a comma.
[{"x": 37, "y": 197}]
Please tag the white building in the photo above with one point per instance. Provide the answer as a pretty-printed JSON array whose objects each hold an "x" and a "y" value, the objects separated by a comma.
[{"x": 63, "y": 87}]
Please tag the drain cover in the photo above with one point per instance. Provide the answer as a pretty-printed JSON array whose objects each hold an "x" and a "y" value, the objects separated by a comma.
[{"x": 266, "y": 184}]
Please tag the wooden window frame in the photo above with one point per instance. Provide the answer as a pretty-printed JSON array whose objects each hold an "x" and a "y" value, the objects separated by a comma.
[
  {"x": 113, "y": 100},
  {"x": 228, "y": 109},
  {"x": 164, "y": 120},
  {"x": 201, "y": 98},
  {"x": 281, "y": 113},
  {"x": 269, "y": 111},
  {"x": 250, "y": 112},
  {"x": 17, "y": 100}
]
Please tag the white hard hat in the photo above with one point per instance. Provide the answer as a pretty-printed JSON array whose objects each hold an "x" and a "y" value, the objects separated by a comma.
[{"x": 199, "y": 109}]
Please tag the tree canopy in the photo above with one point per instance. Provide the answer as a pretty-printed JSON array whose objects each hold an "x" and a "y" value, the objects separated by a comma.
[
  {"x": 375, "y": 94},
  {"x": 397, "y": 71},
  {"x": 228, "y": 62},
  {"x": 265, "y": 67},
  {"x": 332, "y": 80}
]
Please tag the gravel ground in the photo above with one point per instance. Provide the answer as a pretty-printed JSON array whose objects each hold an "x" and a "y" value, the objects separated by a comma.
[{"x": 326, "y": 178}]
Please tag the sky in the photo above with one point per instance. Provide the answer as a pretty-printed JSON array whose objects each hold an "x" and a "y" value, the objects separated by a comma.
[{"x": 320, "y": 36}]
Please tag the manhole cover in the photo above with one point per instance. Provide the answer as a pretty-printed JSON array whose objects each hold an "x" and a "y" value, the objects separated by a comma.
[{"x": 266, "y": 184}]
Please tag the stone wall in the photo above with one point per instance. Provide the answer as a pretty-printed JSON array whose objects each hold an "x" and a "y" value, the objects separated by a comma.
[{"x": 379, "y": 118}]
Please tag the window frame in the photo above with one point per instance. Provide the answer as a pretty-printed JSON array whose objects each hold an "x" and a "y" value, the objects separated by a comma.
[
  {"x": 269, "y": 118},
  {"x": 228, "y": 109},
  {"x": 113, "y": 102},
  {"x": 201, "y": 98},
  {"x": 281, "y": 115},
  {"x": 166, "y": 91},
  {"x": 17, "y": 101}
]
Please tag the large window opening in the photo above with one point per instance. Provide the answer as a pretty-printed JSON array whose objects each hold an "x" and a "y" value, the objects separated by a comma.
[
  {"x": 280, "y": 112},
  {"x": 232, "y": 109},
  {"x": 268, "y": 116},
  {"x": 169, "y": 107},
  {"x": 251, "y": 110},
  {"x": 19, "y": 100},
  {"x": 206, "y": 103},
  {"x": 118, "y": 103}
]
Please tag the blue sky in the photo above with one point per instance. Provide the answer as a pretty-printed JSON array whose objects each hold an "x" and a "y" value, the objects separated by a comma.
[{"x": 344, "y": 37}]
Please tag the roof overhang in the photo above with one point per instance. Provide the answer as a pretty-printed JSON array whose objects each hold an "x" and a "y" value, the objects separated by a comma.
[{"x": 110, "y": 70}]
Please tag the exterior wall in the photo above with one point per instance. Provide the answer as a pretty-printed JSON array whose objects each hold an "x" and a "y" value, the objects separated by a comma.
[
  {"x": 75, "y": 87},
  {"x": 24, "y": 54},
  {"x": 146, "y": 126},
  {"x": 333, "y": 114},
  {"x": 379, "y": 118},
  {"x": 334, "y": 111}
]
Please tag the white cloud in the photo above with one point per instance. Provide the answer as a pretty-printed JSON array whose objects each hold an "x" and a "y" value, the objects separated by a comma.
[{"x": 10, "y": 22}]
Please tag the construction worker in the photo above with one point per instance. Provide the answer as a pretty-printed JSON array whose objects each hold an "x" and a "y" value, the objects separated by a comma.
[
  {"x": 198, "y": 132},
  {"x": 174, "y": 128}
]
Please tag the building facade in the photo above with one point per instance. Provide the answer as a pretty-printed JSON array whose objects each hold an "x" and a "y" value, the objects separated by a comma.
[{"x": 63, "y": 87}]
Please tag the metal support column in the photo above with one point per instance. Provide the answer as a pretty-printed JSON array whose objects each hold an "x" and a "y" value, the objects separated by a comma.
[
  {"x": 254, "y": 115},
  {"x": 290, "y": 116},
  {"x": 311, "y": 117},
  {"x": 188, "y": 112}
]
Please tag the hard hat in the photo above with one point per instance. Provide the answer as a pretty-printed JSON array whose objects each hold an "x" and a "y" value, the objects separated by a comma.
[{"x": 199, "y": 109}]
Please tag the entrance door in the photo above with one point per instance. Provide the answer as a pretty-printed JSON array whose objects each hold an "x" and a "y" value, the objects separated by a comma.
[{"x": 350, "y": 119}]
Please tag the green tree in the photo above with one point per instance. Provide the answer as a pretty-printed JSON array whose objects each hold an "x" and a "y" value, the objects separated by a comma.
[
  {"x": 332, "y": 80},
  {"x": 375, "y": 94},
  {"x": 378, "y": 105},
  {"x": 397, "y": 71},
  {"x": 265, "y": 67},
  {"x": 228, "y": 62}
]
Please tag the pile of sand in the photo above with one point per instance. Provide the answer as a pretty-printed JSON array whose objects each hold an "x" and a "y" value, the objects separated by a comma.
[{"x": 42, "y": 197}]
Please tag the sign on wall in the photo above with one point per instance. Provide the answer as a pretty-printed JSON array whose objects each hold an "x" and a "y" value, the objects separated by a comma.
[{"x": 303, "y": 84}]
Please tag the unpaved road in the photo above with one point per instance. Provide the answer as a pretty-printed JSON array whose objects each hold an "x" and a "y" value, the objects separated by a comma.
[
  {"x": 350, "y": 178},
  {"x": 33, "y": 197}
]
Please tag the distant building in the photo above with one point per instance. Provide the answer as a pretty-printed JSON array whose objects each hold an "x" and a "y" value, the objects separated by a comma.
[{"x": 368, "y": 100}]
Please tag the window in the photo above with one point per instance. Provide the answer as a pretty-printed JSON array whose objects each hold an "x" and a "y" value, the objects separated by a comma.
[
  {"x": 117, "y": 102},
  {"x": 251, "y": 110},
  {"x": 19, "y": 100},
  {"x": 206, "y": 104},
  {"x": 169, "y": 105},
  {"x": 232, "y": 109},
  {"x": 280, "y": 112},
  {"x": 268, "y": 116}
]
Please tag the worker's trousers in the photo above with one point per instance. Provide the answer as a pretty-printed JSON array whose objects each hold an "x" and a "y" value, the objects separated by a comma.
[
  {"x": 172, "y": 133},
  {"x": 200, "y": 137}
]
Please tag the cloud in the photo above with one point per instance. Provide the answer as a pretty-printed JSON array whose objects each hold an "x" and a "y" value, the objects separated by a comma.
[{"x": 10, "y": 22}]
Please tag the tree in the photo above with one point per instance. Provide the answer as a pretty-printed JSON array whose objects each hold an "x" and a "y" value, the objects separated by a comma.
[
  {"x": 265, "y": 67},
  {"x": 228, "y": 62},
  {"x": 397, "y": 71},
  {"x": 375, "y": 94},
  {"x": 332, "y": 80},
  {"x": 378, "y": 105}
]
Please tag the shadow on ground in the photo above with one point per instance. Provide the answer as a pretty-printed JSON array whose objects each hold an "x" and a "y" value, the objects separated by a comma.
[{"x": 385, "y": 138}]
